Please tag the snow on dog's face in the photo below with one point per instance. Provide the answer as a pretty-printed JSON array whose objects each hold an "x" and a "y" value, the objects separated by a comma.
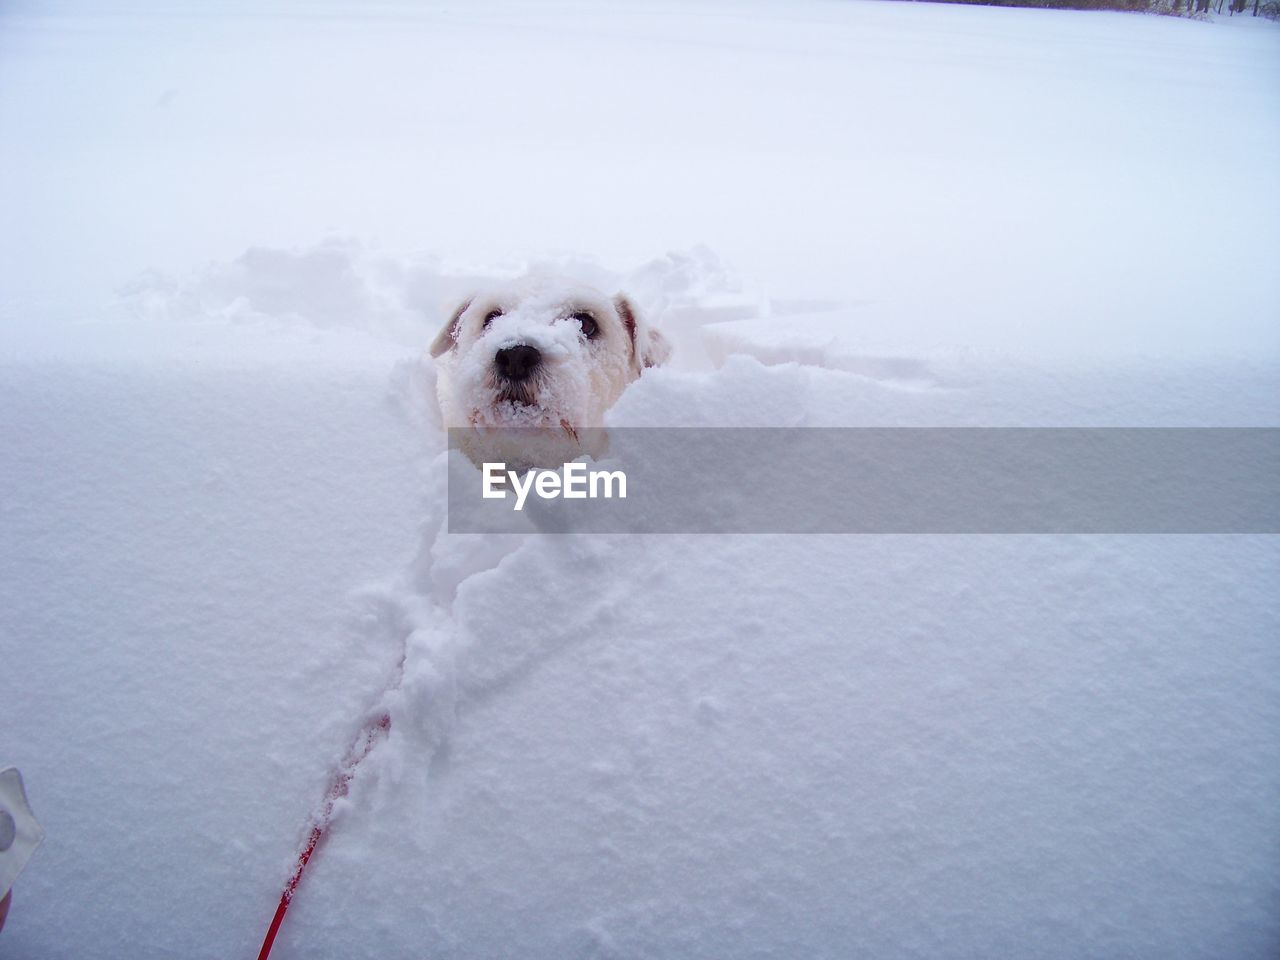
[{"x": 538, "y": 352}]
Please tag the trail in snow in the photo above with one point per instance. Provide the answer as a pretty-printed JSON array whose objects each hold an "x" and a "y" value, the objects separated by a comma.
[
  {"x": 624, "y": 745},
  {"x": 486, "y": 645}
]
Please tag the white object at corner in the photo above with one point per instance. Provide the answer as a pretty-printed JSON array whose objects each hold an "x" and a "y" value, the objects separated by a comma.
[{"x": 20, "y": 833}]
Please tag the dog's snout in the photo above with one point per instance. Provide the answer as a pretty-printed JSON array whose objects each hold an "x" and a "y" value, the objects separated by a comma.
[{"x": 518, "y": 362}]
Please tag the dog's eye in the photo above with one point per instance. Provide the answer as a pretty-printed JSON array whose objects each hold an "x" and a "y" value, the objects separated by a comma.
[
  {"x": 588, "y": 324},
  {"x": 491, "y": 316}
]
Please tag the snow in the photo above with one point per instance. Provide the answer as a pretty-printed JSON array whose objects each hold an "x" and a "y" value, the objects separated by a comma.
[{"x": 231, "y": 232}]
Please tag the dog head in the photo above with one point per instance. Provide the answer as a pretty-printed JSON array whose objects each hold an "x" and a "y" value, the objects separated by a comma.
[{"x": 539, "y": 352}]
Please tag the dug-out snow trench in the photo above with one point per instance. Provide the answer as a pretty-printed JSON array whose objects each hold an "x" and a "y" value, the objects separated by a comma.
[{"x": 627, "y": 746}]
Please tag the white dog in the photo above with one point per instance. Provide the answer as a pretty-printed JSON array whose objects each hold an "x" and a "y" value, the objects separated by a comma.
[{"x": 539, "y": 352}]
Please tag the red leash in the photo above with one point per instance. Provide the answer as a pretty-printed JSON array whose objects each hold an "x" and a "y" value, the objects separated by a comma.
[{"x": 363, "y": 745}]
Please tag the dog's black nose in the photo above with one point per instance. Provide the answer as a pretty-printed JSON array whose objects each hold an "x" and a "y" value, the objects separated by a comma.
[{"x": 518, "y": 362}]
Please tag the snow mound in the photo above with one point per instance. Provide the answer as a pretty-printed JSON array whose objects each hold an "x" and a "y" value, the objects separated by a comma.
[{"x": 343, "y": 283}]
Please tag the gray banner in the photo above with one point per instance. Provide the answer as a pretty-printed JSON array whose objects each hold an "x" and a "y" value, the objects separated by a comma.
[{"x": 883, "y": 480}]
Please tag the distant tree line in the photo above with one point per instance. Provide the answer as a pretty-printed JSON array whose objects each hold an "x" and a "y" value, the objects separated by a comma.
[{"x": 1177, "y": 8}]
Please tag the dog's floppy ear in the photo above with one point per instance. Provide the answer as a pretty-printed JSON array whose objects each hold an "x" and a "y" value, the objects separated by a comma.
[
  {"x": 447, "y": 338},
  {"x": 649, "y": 348}
]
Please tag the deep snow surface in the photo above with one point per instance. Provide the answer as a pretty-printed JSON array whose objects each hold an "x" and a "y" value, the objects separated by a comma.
[{"x": 221, "y": 500}]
